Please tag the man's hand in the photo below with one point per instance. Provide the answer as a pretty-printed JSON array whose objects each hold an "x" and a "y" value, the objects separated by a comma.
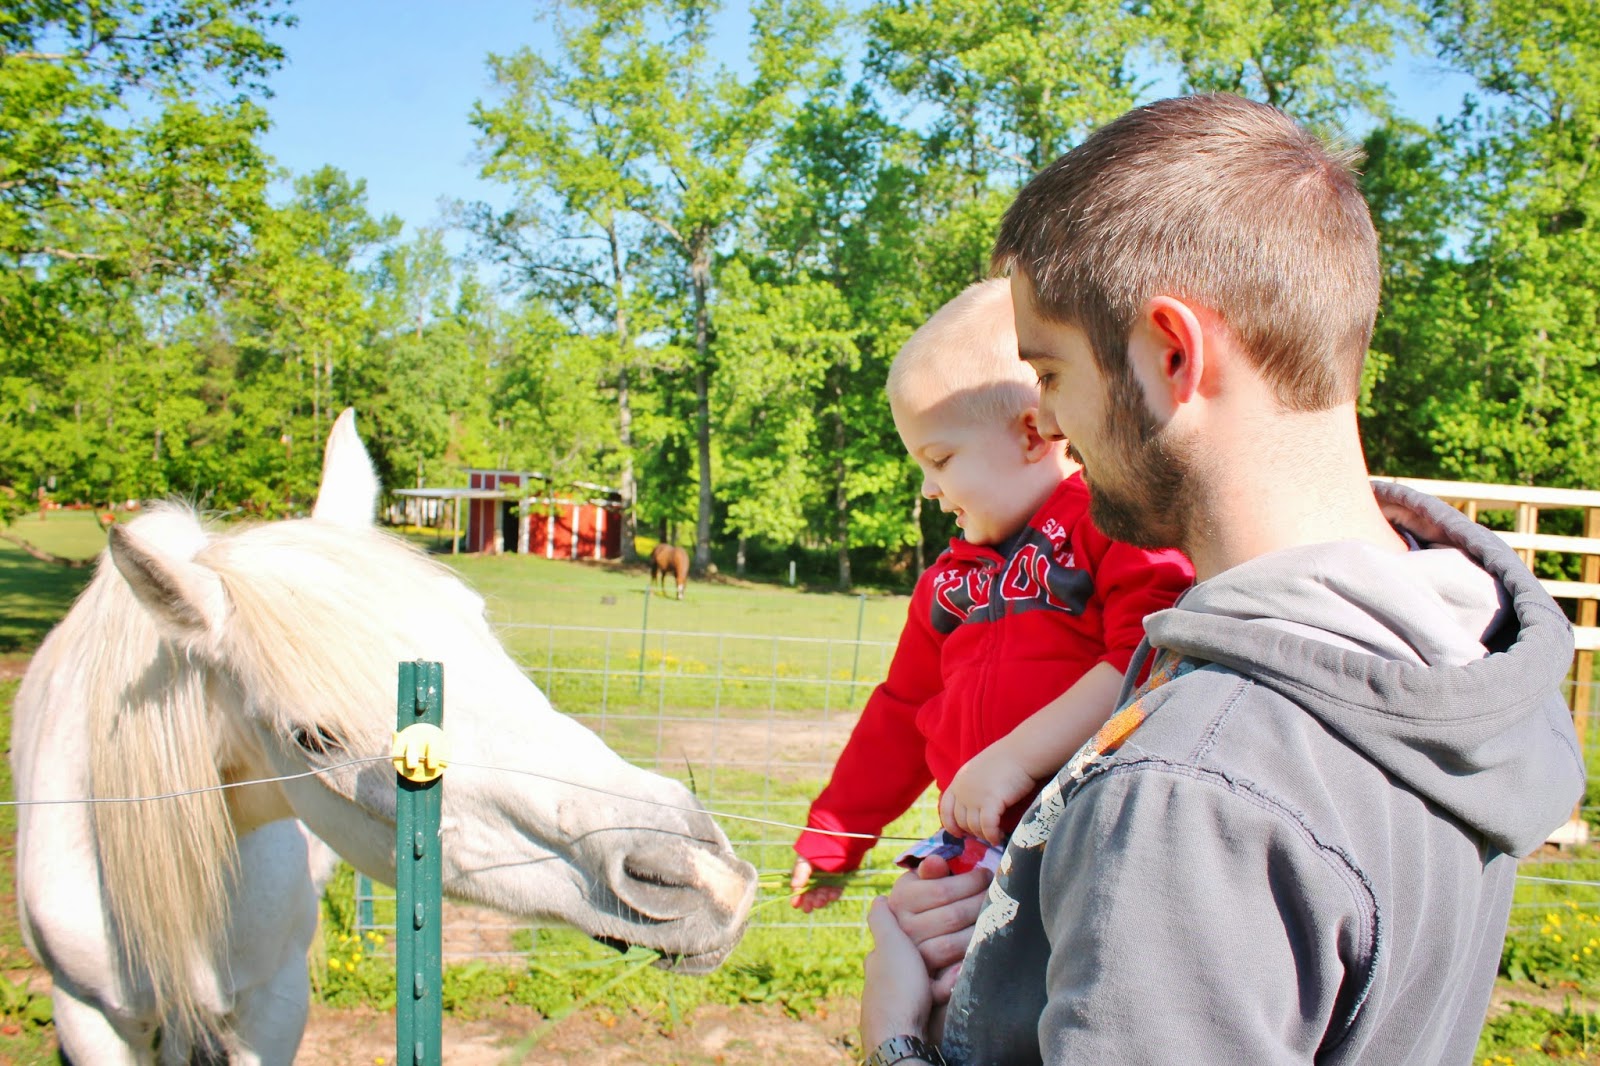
[
  {"x": 898, "y": 997},
  {"x": 937, "y": 912},
  {"x": 808, "y": 896},
  {"x": 981, "y": 793}
]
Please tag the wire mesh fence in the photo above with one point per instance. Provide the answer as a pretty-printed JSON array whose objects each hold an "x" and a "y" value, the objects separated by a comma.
[{"x": 752, "y": 722}]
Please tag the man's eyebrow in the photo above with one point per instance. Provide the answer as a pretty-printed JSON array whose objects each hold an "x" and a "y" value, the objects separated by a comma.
[{"x": 1029, "y": 355}]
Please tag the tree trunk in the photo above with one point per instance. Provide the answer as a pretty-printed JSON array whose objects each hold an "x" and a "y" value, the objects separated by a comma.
[
  {"x": 629, "y": 488},
  {"x": 700, "y": 279},
  {"x": 738, "y": 566},
  {"x": 841, "y": 498}
]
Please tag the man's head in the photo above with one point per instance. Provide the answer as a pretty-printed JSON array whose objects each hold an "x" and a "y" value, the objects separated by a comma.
[
  {"x": 1207, "y": 215},
  {"x": 967, "y": 411}
]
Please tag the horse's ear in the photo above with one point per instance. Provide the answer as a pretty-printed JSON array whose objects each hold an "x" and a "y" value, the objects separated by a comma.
[
  {"x": 349, "y": 492},
  {"x": 186, "y": 599}
]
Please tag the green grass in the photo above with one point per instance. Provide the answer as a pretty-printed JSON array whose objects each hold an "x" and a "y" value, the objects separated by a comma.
[
  {"x": 528, "y": 589},
  {"x": 69, "y": 534},
  {"x": 12, "y": 953}
]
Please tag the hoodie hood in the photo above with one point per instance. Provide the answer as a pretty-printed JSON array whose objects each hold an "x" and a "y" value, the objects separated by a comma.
[{"x": 1443, "y": 665}]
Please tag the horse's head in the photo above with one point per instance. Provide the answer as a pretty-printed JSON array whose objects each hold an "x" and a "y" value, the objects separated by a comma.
[{"x": 304, "y": 622}]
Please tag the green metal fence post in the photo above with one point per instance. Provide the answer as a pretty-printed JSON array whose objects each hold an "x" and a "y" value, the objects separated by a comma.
[
  {"x": 418, "y": 950},
  {"x": 364, "y": 917},
  {"x": 644, "y": 631},
  {"x": 855, "y": 665}
]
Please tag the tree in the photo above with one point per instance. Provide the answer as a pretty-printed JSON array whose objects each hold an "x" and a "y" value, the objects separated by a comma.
[
  {"x": 1316, "y": 59},
  {"x": 560, "y": 135},
  {"x": 1490, "y": 370},
  {"x": 119, "y": 194}
]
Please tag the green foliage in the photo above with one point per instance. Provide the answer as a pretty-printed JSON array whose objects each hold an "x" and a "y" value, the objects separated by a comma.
[
  {"x": 1493, "y": 226},
  {"x": 1565, "y": 948},
  {"x": 1526, "y": 1035},
  {"x": 23, "y": 1007}
]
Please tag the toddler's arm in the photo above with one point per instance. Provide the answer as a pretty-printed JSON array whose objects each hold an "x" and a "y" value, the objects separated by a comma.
[
  {"x": 882, "y": 769},
  {"x": 1007, "y": 770}
]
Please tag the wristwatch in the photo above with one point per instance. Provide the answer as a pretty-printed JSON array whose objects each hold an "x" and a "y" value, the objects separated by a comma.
[{"x": 905, "y": 1049}]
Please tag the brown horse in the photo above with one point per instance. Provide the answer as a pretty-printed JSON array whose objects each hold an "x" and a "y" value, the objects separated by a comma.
[{"x": 669, "y": 559}]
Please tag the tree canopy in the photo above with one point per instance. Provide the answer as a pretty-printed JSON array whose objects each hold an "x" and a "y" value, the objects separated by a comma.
[{"x": 707, "y": 264}]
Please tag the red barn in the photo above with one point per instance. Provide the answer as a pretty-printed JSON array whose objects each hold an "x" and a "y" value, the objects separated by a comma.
[{"x": 512, "y": 511}]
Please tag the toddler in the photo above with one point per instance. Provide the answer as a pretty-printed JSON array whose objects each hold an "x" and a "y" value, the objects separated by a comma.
[{"x": 1017, "y": 637}]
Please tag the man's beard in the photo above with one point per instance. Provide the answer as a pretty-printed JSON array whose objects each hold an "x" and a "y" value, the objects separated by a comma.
[{"x": 1149, "y": 500}]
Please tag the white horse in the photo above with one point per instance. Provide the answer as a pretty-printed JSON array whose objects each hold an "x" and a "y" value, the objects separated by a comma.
[{"x": 180, "y": 927}]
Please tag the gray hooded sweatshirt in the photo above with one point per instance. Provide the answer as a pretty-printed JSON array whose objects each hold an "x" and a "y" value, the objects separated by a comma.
[{"x": 1305, "y": 853}]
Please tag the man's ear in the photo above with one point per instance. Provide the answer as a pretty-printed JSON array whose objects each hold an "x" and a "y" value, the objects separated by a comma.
[
  {"x": 1168, "y": 352},
  {"x": 1035, "y": 445}
]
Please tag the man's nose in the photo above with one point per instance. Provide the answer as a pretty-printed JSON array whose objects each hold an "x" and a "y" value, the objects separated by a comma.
[{"x": 1049, "y": 428}]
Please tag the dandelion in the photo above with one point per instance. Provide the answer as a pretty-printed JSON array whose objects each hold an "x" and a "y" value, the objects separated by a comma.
[
  {"x": 355, "y": 958},
  {"x": 335, "y": 964},
  {"x": 1572, "y": 903},
  {"x": 1544, "y": 930},
  {"x": 1556, "y": 937}
]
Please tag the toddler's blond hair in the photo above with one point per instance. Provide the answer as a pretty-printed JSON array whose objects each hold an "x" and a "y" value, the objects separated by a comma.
[{"x": 964, "y": 359}]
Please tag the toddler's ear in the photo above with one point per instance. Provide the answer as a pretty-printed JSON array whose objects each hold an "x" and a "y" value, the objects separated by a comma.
[{"x": 1036, "y": 446}]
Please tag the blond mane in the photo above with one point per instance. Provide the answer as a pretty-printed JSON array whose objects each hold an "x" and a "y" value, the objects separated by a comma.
[{"x": 167, "y": 866}]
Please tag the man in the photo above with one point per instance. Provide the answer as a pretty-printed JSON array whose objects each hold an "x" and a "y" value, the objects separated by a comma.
[{"x": 1296, "y": 842}]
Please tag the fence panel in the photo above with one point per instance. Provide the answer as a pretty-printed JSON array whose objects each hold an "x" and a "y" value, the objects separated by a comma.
[{"x": 753, "y": 722}]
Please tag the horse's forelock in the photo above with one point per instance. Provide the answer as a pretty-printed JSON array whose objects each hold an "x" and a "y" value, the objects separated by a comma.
[{"x": 322, "y": 614}]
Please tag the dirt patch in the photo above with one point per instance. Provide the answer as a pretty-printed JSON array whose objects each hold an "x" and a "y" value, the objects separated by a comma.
[
  {"x": 1554, "y": 999},
  {"x": 518, "y": 1036},
  {"x": 785, "y": 750},
  {"x": 13, "y": 666},
  {"x": 478, "y": 932},
  {"x": 710, "y": 1036}
]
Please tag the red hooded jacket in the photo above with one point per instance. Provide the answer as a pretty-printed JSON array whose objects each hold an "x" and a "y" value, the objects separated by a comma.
[{"x": 992, "y": 636}]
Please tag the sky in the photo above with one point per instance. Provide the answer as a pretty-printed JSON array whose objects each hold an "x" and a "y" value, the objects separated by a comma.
[{"x": 382, "y": 90}]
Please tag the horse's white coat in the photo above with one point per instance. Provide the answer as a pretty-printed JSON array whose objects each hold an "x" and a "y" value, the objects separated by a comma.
[{"x": 195, "y": 658}]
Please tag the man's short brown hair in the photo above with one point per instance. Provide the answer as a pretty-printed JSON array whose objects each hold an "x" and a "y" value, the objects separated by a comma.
[{"x": 1219, "y": 201}]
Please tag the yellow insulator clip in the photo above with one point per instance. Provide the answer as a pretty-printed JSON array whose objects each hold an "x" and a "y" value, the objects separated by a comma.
[{"x": 420, "y": 752}]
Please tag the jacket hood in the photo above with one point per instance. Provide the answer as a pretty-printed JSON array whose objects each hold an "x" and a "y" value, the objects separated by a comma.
[{"x": 1443, "y": 665}]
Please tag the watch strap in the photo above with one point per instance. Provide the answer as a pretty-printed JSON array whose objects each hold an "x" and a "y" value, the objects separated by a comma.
[{"x": 905, "y": 1049}]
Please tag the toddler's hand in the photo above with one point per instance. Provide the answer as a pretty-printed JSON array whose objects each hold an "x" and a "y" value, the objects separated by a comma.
[
  {"x": 981, "y": 793},
  {"x": 814, "y": 897}
]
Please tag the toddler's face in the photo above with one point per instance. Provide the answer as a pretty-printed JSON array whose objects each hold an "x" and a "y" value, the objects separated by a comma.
[{"x": 975, "y": 469}]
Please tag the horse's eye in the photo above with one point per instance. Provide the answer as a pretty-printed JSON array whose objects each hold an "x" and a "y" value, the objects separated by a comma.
[{"x": 317, "y": 741}]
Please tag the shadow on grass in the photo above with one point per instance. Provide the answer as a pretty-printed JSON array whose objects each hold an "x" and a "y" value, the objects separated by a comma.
[{"x": 36, "y": 595}]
